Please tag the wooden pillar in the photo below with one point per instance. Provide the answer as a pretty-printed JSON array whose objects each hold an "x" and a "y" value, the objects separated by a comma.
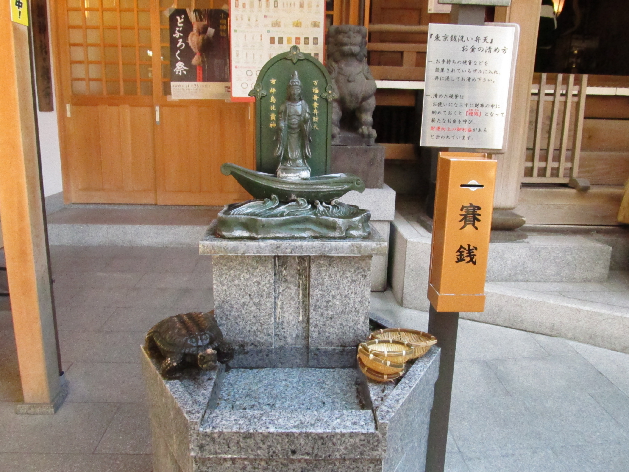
[
  {"x": 511, "y": 164},
  {"x": 23, "y": 223}
]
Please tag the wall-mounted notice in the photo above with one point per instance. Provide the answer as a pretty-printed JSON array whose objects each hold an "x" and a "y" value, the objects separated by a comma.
[
  {"x": 19, "y": 11},
  {"x": 469, "y": 75},
  {"x": 199, "y": 54},
  {"x": 261, "y": 29}
]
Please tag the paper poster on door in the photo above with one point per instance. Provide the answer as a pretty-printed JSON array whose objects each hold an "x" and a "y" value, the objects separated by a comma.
[{"x": 199, "y": 54}]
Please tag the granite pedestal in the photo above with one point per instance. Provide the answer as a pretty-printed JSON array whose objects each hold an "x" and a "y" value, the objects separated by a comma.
[
  {"x": 299, "y": 419},
  {"x": 292, "y": 398},
  {"x": 302, "y": 294}
]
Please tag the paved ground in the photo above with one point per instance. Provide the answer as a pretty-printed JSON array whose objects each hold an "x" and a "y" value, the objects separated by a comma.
[{"x": 521, "y": 402}]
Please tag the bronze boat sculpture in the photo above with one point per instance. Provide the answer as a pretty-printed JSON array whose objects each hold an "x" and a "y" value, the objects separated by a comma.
[
  {"x": 293, "y": 137},
  {"x": 323, "y": 188}
]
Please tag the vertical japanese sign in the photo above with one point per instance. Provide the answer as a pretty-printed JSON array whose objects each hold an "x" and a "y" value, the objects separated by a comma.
[
  {"x": 469, "y": 75},
  {"x": 19, "y": 11},
  {"x": 199, "y": 54},
  {"x": 262, "y": 29},
  {"x": 460, "y": 237}
]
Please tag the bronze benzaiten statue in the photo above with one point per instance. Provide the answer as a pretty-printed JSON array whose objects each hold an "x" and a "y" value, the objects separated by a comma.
[
  {"x": 353, "y": 84},
  {"x": 189, "y": 339},
  {"x": 294, "y": 125},
  {"x": 295, "y": 195}
]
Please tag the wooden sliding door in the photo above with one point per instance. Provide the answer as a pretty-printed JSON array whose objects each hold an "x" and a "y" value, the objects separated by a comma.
[
  {"x": 195, "y": 137},
  {"x": 122, "y": 139}
]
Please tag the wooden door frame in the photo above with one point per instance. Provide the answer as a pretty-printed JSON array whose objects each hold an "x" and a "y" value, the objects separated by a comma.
[{"x": 64, "y": 98}]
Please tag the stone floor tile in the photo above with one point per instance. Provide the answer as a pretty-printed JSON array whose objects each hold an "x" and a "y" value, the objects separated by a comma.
[
  {"x": 595, "y": 457},
  {"x": 204, "y": 266},
  {"x": 488, "y": 425},
  {"x": 106, "y": 346},
  {"x": 58, "y": 251},
  {"x": 137, "y": 318},
  {"x": 129, "y": 432},
  {"x": 165, "y": 253},
  {"x": 82, "y": 318},
  {"x": 13, "y": 462},
  {"x": 105, "y": 382},
  {"x": 539, "y": 460},
  {"x": 196, "y": 300},
  {"x": 549, "y": 375},
  {"x": 574, "y": 418},
  {"x": 613, "y": 365},
  {"x": 75, "y": 428},
  {"x": 101, "y": 252},
  {"x": 475, "y": 378},
  {"x": 455, "y": 462},
  {"x": 151, "y": 297},
  {"x": 72, "y": 264},
  {"x": 129, "y": 263},
  {"x": 174, "y": 280},
  {"x": 483, "y": 341},
  {"x": 111, "y": 297},
  {"x": 64, "y": 294},
  {"x": 176, "y": 260},
  {"x": 554, "y": 346},
  {"x": 616, "y": 404},
  {"x": 99, "y": 279}
]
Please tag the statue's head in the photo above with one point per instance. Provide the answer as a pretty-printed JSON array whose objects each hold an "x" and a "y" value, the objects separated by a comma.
[{"x": 293, "y": 91}]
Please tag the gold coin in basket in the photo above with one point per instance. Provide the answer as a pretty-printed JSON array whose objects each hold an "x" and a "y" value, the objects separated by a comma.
[{"x": 419, "y": 340}]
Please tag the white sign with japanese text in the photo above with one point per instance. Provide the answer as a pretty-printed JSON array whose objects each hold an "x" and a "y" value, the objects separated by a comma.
[{"x": 468, "y": 85}]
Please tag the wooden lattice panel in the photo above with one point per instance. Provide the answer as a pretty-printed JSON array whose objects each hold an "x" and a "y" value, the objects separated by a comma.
[{"x": 110, "y": 47}]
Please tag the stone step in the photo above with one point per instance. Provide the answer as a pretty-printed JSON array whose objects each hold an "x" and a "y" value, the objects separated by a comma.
[
  {"x": 185, "y": 226},
  {"x": 126, "y": 225},
  {"x": 591, "y": 313},
  {"x": 518, "y": 256}
]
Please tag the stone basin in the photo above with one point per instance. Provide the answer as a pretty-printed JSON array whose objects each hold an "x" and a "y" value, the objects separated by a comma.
[{"x": 298, "y": 418}]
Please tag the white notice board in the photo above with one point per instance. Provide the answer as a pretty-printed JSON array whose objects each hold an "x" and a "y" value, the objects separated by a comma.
[
  {"x": 261, "y": 29},
  {"x": 469, "y": 76}
]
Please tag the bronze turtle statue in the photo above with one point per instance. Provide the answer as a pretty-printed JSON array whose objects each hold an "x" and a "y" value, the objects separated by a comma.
[{"x": 187, "y": 339}]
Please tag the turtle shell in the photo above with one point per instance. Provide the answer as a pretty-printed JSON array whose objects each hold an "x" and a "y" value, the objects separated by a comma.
[{"x": 187, "y": 333}]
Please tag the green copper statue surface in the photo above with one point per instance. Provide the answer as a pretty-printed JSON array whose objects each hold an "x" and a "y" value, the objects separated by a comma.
[
  {"x": 295, "y": 195},
  {"x": 294, "y": 125}
]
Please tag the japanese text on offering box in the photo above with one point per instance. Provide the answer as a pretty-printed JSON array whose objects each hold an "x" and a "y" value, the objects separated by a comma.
[
  {"x": 468, "y": 76},
  {"x": 462, "y": 225}
]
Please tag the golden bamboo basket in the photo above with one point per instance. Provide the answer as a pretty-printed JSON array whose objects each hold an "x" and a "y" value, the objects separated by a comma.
[
  {"x": 392, "y": 350},
  {"x": 374, "y": 375},
  {"x": 419, "y": 340},
  {"x": 378, "y": 364}
]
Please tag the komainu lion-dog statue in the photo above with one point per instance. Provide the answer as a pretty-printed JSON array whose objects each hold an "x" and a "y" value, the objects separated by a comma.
[{"x": 355, "y": 86}]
